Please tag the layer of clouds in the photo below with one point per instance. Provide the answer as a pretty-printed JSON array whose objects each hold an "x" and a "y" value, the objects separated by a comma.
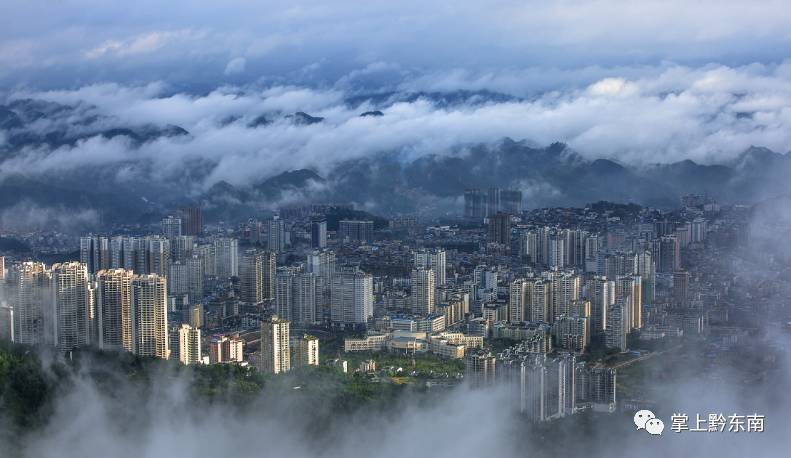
[
  {"x": 235, "y": 65},
  {"x": 708, "y": 114},
  {"x": 57, "y": 44}
]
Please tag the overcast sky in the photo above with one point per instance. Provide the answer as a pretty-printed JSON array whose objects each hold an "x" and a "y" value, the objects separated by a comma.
[
  {"x": 200, "y": 44},
  {"x": 638, "y": 82}
]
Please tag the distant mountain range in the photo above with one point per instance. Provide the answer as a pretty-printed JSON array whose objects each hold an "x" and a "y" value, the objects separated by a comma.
[
  {"x": 550, "y": 176},
  {"x": 384, "y": 183}
]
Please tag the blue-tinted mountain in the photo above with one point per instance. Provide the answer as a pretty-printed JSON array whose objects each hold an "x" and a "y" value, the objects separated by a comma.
[
  {"x": 260, "y": 120},
  {"x": 385, "y": 182},
  {"x": 440, "y": 99},
  {"x": 303, "y": 119},
  {"x": 61, "y": 125}
]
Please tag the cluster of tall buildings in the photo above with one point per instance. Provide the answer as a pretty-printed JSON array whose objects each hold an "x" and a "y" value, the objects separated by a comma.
[
  {"x": 280, "y": 352},
  {"x": 179, "y": 257},
  {"x": 556, "y": 247},
  {"x": 65, "y": 306},
  {"x": 308, "y": 293},
  {"x": 480, "y": 204},
  {"x": 544, "y": 387},
  {"x": 257, "y": 276},
  {"x": 356, "y": 231},
  {"x": 578, "y": 307},
  {"x": 296, "y": 296},
  {"x": 555, "y": 284}
]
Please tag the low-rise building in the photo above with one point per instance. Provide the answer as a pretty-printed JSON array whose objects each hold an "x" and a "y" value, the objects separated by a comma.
[{"x": 371, "y": 342}]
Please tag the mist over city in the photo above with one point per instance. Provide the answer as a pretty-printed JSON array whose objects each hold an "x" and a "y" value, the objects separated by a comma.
[{"x": 349, "y": 229}]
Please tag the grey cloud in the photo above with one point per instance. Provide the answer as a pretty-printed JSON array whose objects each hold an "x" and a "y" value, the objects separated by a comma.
[
  {"x": 192, "y": 44},
  {"x": 708, "y": 114},
  {"x": 235, "y": 66}
]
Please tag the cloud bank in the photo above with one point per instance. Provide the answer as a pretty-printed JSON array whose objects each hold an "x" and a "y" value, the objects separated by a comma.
[
  {"x": 308, "y": 41},
  {"x": 707, "y": 114}
]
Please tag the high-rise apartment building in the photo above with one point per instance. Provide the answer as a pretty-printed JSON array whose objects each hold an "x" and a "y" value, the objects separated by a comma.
[
  {"x": 195, "y": 274},
  {"x": 73, "y": 307},
  {"x": 178, "y": 279},
  {"x": 356, "y": 231},
  {"x": 318, "y": 234},
  {"x": 275, "y": 354},
  {"x": 518, "y": 300},
  {"x": 566, "y": 289},
  {"x": 435, "y": 260},
  {"x": 474, "y": 204},
  {"x": 600, "y": 387},
  {"x": 7, "y": 323},
  {"x": 95, "y": 253},
  {"x": 304, "y": 351},
  {"x": 500, "y": 229},
  {"x": 284, "y": 289},
  {"x": 601, "y": 293},
  {"x": 114, "y": 309},
  {"x": 276, "y": 236},
  {"x": 480, "y": 204},
  {"x": 34, "y": 304},
  {"x": 423, "y": 287},
  {"x": 149, "y": 314},
  {"x": 574, "y": 247},
  {"x": 351, "y": 297},
  {"x": 191, "y": 221},
  {"x": 182, "y": 247},
  {"x": 189, "y": 345},
  {"x": 667, "y": 250},
  {"x": 528, "y": 246},
  {"x": 257, "y": 276},
  {"x": 618, "y": 322},
  {"x": 295, "y": 296},
  {"x": 157, "y": 256},
  {"x": 540, "y": 301},
  {"x": 630, "y": 288},
  {"x": 479, "y": 368},
  {"x": 196, "y": 316},
  {"x": 571, "y": 333},
  {"x": 251, "y": 271},
  {"x": 545, "y": 385},
  {"x": 322, "y": 264},
  {"x": 645, "y": 268},
  {"x": 226, "y": 257},
  {"x": 697, "y": 232},
  {"x": 117, "y": 252},
  {"x": 171, "y": 227},
  {"x": 208, "y": 259},
  {"x": 680, "y": 287},
  {"x": 510, "y": 201}
]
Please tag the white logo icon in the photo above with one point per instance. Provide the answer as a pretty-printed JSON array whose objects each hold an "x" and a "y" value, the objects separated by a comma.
[
  {"x": 645, "y": 419},
  {"x": 642, "y": 417},
  {"x": 654, "y": 426}
]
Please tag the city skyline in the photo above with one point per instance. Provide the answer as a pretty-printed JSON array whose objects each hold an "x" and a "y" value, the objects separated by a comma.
[{"x": 457, "y": 229}]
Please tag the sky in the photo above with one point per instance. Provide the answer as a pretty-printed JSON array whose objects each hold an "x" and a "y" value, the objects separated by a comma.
[
  {"x": 636, "y": 82},
  {"x": 200, "y": 44}
]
